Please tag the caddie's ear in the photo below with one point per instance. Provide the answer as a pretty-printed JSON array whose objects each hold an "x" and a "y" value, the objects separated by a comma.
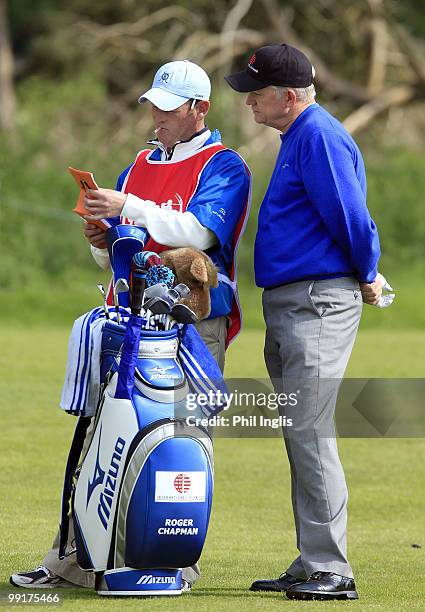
[
  {"x": 198, "y": 269},
  {"x": 202, "y": 107}
]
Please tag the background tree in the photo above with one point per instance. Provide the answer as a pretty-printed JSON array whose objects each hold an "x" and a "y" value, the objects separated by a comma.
[{"x": 7, "y": 90}]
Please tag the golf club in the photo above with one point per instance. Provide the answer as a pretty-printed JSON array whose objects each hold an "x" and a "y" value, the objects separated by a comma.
[
  {"x": 158, "y": 305},
  {"x": 158, "y": 290},
  {"x": 120, "y": 286},
  {"x": 164, "y": 302},
  {"x": 179, "y": 291},
  {"x": 105, "y": 305},
  {"x": 183, "y": 314}
]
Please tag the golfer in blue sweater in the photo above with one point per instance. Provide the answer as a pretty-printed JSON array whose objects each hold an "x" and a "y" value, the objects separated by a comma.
[{"x": 316, "y": 256}]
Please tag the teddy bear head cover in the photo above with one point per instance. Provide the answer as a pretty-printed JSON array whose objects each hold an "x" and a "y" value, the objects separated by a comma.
[{"x": 196, "y": 270}]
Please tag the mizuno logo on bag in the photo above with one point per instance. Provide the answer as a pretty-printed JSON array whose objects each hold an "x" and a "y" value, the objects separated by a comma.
[
  {"x": 108, "y": 493},
  {"x": 159, "y": 372},
  {"x": 149, "y": 579}
]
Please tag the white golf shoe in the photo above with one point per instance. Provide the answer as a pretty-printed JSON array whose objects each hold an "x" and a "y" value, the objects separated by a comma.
[{"x": 40, "y": 578}]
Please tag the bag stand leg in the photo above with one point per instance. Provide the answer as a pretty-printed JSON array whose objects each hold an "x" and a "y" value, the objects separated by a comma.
[{"x": 127, "y": 581}]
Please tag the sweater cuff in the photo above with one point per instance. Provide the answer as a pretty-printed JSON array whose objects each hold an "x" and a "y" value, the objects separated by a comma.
[
  {"x": 135, "y": 209},
  {"x": 101, "y": 257}
]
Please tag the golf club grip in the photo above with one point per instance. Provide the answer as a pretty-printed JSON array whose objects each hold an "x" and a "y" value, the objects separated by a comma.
[{"x": 137, "y": 290}]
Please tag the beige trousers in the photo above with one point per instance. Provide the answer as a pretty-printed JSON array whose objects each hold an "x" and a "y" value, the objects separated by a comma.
[{"x": 213, "y": 333}]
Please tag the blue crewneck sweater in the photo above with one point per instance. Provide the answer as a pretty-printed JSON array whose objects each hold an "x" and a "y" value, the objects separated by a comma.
[{"x": 313, "y": 222}]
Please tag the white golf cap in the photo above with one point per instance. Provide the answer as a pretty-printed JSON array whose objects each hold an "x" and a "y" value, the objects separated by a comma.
[{"x": 177, "y": 82}]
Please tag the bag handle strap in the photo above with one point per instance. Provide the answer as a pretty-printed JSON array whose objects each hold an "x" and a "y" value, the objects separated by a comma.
[{"x": 71, "y": 467}]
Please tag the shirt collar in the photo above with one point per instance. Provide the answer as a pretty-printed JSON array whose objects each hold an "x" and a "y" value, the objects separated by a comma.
[{"x": 183, "y": 148}]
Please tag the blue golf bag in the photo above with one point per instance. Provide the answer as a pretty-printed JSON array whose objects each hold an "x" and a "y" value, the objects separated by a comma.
[{"x": 141, "y": 497}]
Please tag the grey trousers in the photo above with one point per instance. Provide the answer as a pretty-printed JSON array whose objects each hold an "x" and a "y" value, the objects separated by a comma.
[
  {"x": 310, "y": 331},
  {"x": 213, "y": 333}
]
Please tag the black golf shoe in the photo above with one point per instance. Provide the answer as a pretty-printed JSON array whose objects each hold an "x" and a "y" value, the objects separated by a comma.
[
  {"x": 279, "y": 584},
  {"x": 324, "y": 585}
]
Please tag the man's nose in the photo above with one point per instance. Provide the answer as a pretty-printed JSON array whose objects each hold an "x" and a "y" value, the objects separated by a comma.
[{"x": 248, "y": 100}]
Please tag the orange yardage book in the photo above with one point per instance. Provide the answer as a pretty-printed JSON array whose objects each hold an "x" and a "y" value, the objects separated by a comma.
[{"x": 85, "y": 180}]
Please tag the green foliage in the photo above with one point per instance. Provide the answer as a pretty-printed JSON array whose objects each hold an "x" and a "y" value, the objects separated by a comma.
[
  {"x": 28, "y": 21},
  {"x": 411, "y": 14},
  {"x": 36, "y": 191},
  {"x": 396, "y": 182}
]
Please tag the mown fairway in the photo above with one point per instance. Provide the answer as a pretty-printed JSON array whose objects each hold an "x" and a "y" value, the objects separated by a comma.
[{"x": 251, "y": 534}]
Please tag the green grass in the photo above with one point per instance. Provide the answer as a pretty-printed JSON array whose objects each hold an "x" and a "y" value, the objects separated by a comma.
[
  {"x": 376, "y": 354},
  {"x": 251, "y": 533}
]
